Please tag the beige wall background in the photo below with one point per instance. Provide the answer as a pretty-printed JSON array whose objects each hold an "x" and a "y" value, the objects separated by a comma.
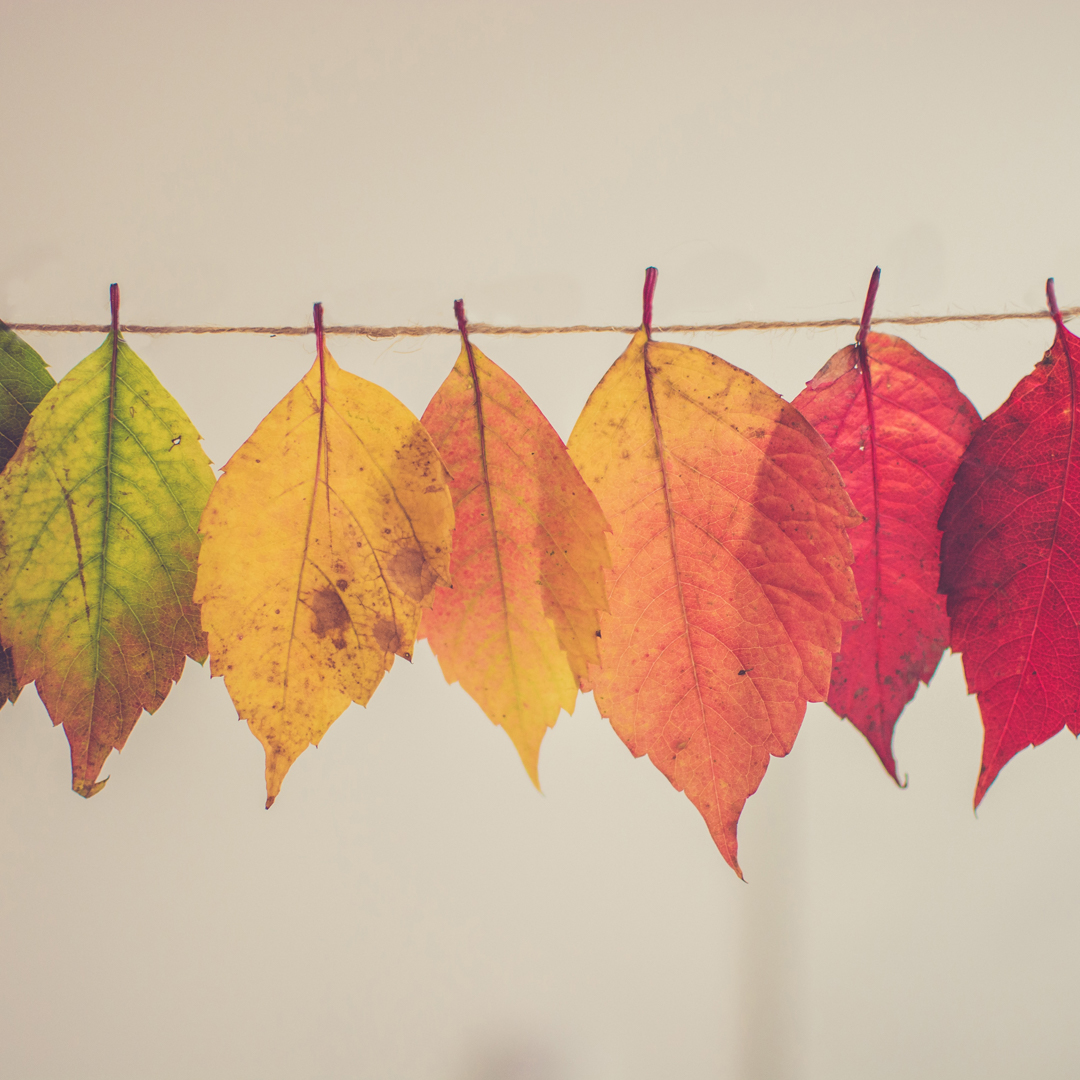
[{"x": 411, "y": 909}]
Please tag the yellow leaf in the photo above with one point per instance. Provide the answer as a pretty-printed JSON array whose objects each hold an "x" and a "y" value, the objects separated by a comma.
[{"x": 327, "y": 532}]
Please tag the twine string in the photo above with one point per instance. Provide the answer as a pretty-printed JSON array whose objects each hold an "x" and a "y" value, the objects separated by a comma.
[{"x": 532, "y": 331}]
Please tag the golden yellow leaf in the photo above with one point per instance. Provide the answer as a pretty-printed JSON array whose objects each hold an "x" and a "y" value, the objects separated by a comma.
[{"x": 322, "y": 540}]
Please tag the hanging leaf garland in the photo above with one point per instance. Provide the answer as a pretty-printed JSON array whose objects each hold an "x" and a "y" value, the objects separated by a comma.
[
  {"x": 730, "y": 575},
  {"x": 323, "y": 538},
  {"x": 729, "y": 567},
  {"x": 519, "y": 628},
  {"x": 98, "y": 545}
]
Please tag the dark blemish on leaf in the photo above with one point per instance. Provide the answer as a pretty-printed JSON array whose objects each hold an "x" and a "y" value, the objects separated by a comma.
[
  {"x": 410, "y": 572},
  {"x": 342, "y": 584},
  {"x": 597, "y": 633},
  {"x": 328, "y": 613},
  {"x": 386, "y": 635}
]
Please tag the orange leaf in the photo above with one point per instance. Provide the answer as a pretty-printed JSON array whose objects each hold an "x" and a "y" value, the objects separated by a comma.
[
  {"x": 326, "y": 533},
  {"x": 731, "y": 568},
  {"x": 520, "y": 625}
]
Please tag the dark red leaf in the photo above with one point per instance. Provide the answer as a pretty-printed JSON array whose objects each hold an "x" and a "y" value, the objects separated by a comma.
[{"x": 1009, "y": 561}]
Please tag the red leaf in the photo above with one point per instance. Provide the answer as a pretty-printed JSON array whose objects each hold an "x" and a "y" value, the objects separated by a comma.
[
  {"x": 897, "y": 426},
  {"x": 1009, "y": 561}
]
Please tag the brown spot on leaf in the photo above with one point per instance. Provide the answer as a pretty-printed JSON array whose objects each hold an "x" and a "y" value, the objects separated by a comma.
[
  {"x": 386, "y": 635},
  {"x": 328, "y": 613},
  {"x": 411, "y": 573}
]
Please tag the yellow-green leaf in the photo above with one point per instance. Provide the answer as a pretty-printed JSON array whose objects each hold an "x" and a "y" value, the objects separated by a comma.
[
  {"x": 24, "y": 381},
  {"x": 98, "y": 548},
  {"x": 327, "y": 532}
]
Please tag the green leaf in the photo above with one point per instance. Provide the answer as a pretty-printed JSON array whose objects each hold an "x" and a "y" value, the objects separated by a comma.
[
  {"x": 99, "y": 510},
  {"x": 24, "y": 381}
]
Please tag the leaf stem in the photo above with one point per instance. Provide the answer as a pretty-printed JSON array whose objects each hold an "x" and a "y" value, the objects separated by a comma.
[
  {"x": 867, "y": 312},
  {"x": 647, "y": 299},
  {"x": 320, "y": 348},
  {"x": 1051, "y": 300}
]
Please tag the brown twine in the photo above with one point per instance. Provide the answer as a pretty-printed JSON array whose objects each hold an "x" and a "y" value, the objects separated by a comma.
[{"x": 489, "y": 328}]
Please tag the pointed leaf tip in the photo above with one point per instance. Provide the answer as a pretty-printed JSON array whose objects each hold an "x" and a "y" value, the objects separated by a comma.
[{"x": 86, "y": 789}]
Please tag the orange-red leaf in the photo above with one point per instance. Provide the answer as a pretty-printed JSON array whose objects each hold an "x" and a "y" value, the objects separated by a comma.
[
  {"x": 730, "y": 572},
  {"x": 897, "y": 426},
  {"x": 519, "y": 627},
  {"x": 1009, "y": 562}
]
